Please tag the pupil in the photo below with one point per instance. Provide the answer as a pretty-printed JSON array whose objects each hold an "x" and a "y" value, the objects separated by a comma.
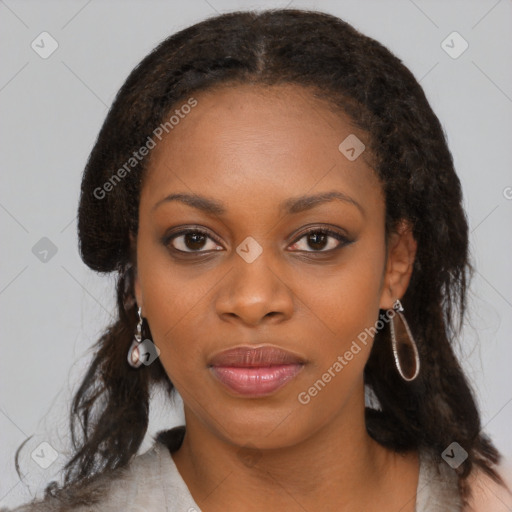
[
  {"x": 197, "y": 240},
  {"x": 315, "y": 237}
]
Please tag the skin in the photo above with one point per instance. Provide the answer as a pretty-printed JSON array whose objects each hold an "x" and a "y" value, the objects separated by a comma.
[{"x": 251, "y": 148}]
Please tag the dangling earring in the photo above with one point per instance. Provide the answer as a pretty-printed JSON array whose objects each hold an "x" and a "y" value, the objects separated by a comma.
[
  {"x": 134, "y": 355},
  {"x": 405, "y": 351},
  {"x": 142, "y": 352}
]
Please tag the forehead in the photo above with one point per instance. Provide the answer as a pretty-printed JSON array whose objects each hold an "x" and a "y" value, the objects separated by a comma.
[{"x": 252, "y": 140}]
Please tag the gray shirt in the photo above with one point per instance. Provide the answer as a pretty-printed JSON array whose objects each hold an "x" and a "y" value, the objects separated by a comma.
[{"x": 152, "y": 483}]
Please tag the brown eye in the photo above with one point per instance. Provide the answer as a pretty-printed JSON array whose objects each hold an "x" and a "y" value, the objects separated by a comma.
[
  {"x": 320, "y": 239},
  {"x": 192, "y": 240}
]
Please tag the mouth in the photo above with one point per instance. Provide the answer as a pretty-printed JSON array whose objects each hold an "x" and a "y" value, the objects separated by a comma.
[{"x": 255, "y": 372}]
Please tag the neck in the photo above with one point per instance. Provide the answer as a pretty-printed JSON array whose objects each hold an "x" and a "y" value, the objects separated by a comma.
[{"x": 219, "y": 473}]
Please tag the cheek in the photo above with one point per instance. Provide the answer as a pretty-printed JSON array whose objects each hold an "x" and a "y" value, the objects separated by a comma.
[
  {"x": 346, "y": 300},
  {"x": 172, "y": 298},
  {"x": 346, "y": 312},
  {"x": 346, "y": 309},
  {"x": 174, "y": 311}
]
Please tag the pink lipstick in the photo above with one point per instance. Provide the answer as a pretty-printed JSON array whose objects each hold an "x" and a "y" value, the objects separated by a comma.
[{"x": 257, "y": 371}]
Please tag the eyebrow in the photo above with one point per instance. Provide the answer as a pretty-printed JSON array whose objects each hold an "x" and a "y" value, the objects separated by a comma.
[{"x": 292, "y": 206}]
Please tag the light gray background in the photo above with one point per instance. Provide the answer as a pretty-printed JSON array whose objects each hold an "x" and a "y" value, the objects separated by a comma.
[{"x": 52, "y": 110}]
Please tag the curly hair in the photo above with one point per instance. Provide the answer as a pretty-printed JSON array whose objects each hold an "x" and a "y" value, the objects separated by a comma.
[{"x": 356, "y": 75}]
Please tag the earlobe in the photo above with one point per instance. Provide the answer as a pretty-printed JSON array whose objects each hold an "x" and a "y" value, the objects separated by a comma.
[
  {"x": 400, "y": 263},
  {"x": 138, "y": 291},
  {"x": 136, "y": 282}
]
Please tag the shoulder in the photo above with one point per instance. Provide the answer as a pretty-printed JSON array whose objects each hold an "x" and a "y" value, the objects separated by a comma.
[
  {"x": 489, "y": 496},
  {"x": 437, "y": 484},
  {"x": 139, "y": 481}
]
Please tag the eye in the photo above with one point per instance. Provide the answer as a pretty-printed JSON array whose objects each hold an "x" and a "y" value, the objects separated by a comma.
[
  {"x": 318, "y": 238},
  {"x": 196, "y": 241},
  {"x": 191, "y": 240}
]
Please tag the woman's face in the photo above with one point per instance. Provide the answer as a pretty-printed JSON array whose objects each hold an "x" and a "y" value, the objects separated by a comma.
[{"x": 261, "y": 160}]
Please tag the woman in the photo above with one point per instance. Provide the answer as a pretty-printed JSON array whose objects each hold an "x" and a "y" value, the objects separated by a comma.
[{"x": 281, "y": 207}]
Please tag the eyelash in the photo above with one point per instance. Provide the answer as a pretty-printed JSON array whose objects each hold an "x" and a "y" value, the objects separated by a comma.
[{"x": 325, "y": 231}]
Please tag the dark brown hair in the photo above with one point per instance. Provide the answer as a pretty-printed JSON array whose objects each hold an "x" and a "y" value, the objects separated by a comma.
[{"x": 354, "y": 74}]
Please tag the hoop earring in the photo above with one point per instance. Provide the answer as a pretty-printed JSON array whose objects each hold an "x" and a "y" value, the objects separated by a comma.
[
  {"x": 404, "y": 347},
  {"x": 134, "y": 355}
]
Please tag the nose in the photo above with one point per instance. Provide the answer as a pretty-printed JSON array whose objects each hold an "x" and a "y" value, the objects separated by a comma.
[{"x": 255, "y": 292}]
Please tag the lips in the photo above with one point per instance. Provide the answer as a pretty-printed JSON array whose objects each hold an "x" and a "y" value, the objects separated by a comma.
[
  {"x": 257, "y": 371},
  {"x": 246, "y": 357}
]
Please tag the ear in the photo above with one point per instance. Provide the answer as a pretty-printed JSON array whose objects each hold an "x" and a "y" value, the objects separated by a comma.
[
  {"x": 138, "y": 292},
  {"x": 136, "y": 284},
  {"x": 400, "y": 261}
]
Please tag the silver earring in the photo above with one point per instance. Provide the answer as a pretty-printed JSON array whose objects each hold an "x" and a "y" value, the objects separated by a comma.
[
  {"x": 134, "y": 353},
  {"x": 142, "y": 352},
  {"x": 405, "y": 351}
]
